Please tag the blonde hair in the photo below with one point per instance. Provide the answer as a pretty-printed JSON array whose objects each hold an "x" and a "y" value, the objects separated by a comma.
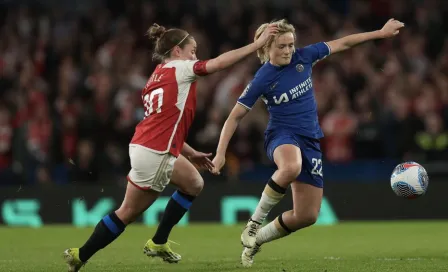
[{"x": 283, "y": 27}]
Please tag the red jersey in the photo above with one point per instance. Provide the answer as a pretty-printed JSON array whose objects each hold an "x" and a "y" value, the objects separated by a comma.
[{"x": 169, "y": 100}]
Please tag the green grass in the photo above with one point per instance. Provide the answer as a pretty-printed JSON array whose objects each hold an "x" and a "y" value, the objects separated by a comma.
[{"x": 360, "y": 247}]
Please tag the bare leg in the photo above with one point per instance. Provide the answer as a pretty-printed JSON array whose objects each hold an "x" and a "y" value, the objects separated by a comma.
[
  {"x": 288, "y": 159},
  {"x": 190, "y": 184},
  {"x": 307, "y": 200},
  {"x": 135, "y": 202}
]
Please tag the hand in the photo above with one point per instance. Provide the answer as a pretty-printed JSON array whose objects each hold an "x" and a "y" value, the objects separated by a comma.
[
  {"x": 219, "y": 162},
  {"x": 391, "y": 28},
  {"x": 202, "y": 160},
  {"x": 271, "y": 30}
]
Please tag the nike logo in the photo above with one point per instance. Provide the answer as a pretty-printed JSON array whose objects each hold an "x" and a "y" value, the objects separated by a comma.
[{"x": 274, "y": 85}]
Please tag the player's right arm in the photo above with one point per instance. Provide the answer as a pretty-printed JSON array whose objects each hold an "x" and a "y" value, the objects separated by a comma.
[
  {"x": 229, "y": 58},
  {"x": 247, "y": 99},
  {"x": 227, "y": 132}
]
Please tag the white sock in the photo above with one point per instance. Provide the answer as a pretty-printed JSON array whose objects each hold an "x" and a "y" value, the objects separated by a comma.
[
  {"x": 269, "y": 198},
  {"x": 270, "y": 232}
]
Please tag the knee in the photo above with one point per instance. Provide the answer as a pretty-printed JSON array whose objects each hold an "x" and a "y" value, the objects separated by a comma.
[
  {"x": 304, "y": 219},
  {"x": 309, "y": 219},
  {"x": 194, "y": 186},
  {"x": 290, "y": 170},
  {"x": 127, "y": 214}
]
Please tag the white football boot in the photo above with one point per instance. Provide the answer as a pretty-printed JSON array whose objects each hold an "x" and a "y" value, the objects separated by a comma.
[
  {"x": 249, "y": 235},
  {"x": 247, "y": 258}
]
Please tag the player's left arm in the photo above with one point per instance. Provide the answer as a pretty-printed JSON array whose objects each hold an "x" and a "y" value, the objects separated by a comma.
[
  {"x": 390, "y": 29},
  {"x": 228, "y": 59},
  {"x": 187, "y": 150},
  {"x": 200, "y": 159},
  {"x": 202, "y": 68}
]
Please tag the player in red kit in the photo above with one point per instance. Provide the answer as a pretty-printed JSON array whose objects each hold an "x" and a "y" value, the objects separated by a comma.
[{"x": 158, "y": 152}]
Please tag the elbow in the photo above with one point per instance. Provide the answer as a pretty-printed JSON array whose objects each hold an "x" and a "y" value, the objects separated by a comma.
[
  {"x": 220, "y": 64},
  {"x": 232, "y": 120},
  {"x": 237, "y": 118},
  {"x": 341, "y": 47},
  {"x": 346, "y": 46}
]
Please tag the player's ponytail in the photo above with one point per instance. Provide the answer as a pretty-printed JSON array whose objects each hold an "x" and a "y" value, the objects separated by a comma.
[
  {"x": 155, "y": 32},
  {"x": 283, "y": 27},
  {"x": 165, "y": 40}
]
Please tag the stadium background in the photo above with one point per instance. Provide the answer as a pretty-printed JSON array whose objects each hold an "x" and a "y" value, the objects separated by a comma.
[
  {"x": 71, "y": 76},
  {"x": 71, "y": 73}
]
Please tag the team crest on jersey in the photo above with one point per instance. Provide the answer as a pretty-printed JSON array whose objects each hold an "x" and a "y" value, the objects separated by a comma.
[{"x": 300, "y": 68}]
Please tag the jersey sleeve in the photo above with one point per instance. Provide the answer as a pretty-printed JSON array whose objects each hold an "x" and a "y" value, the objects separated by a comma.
[
  {"x": 250, "y": 94},
  {"x": 194, "y": 68},
  {"x": 315, "y": 52}
]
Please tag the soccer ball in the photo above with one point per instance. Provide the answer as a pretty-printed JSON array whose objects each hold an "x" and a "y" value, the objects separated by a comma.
[{"x": 409, "y": 180}]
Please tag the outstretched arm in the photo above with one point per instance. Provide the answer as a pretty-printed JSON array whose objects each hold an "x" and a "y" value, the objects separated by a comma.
[
  {"x": 390, "y": 29},
  {"x": 227, "y": 132},
  {"x": 200, "y": 159},
  {"x": 229, "y": 58},
  {"x": 187, "y": 150}
]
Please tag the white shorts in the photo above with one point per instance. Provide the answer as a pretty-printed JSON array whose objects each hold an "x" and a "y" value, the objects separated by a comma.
[{"x": 150, "y": 170}]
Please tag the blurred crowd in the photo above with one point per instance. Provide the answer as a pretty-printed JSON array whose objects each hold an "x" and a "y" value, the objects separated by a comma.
[{"x": 70, "y": 81}]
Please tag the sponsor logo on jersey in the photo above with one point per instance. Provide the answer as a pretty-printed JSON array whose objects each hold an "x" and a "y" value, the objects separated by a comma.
[{"x": 295, "y": 92}]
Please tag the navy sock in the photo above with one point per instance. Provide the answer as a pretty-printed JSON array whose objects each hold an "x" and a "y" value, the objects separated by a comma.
[
  {"x": 279, "y": 189},
  {"x": 175, "y": 209},
  {"x": 106, "y": 231},
  {"x": 280, "y": 220}
]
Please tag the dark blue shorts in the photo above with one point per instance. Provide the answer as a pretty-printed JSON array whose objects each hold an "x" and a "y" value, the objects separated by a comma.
[{"x": 311, "y": 154}]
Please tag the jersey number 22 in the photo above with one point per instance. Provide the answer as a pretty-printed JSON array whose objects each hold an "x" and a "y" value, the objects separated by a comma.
[{"x": 317, "y": 167}]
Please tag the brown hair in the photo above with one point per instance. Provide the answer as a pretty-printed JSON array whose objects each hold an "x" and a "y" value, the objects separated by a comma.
[
  {"x": 283, "y": 27},
  {"x": 166, "y": 40}
]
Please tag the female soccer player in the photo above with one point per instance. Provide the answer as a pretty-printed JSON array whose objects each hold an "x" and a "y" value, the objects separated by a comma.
[
  {"x": 157, "y": 151},
  {"x": 293, "y": 132}
]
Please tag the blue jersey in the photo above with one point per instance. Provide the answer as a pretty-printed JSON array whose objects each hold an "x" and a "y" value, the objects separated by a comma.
[{"x": 288, "y": 92}]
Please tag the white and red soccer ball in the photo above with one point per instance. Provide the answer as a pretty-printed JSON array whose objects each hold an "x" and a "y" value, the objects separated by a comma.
[{"x": 409, "y": 180}]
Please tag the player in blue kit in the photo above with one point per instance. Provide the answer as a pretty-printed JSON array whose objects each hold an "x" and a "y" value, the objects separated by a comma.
[{"x": 292, "y": 136}]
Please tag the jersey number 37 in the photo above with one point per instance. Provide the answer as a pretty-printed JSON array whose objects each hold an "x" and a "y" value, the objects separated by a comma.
[{"x": 156, "y": 97}]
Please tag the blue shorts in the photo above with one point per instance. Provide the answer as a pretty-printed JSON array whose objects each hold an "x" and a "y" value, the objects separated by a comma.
[{"x": 311, "y": 154}]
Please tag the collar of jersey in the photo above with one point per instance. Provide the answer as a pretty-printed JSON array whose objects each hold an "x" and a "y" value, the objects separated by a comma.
[{"x": 275, "y": 66}]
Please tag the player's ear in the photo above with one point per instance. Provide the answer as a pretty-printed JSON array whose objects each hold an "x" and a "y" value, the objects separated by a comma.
[{"x": 177, "y": 51}]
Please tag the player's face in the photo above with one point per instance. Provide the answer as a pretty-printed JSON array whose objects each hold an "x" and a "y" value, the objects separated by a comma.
[
  {"x": 281, "y": 50},
  {"x": 189, "y": 51}
]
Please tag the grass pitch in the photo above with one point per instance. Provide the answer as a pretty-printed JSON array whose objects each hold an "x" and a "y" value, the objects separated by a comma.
[{"x": 360, "y": 247}]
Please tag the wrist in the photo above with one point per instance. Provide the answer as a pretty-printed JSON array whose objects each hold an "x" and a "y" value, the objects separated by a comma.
[
  {"x": 379, "y": 34},
  {"x": 220, "y": 153},
  {"x": 257, "y": 44},
  {"x": 192, "y": 152},
  {"x": 188, "y": 152}
]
